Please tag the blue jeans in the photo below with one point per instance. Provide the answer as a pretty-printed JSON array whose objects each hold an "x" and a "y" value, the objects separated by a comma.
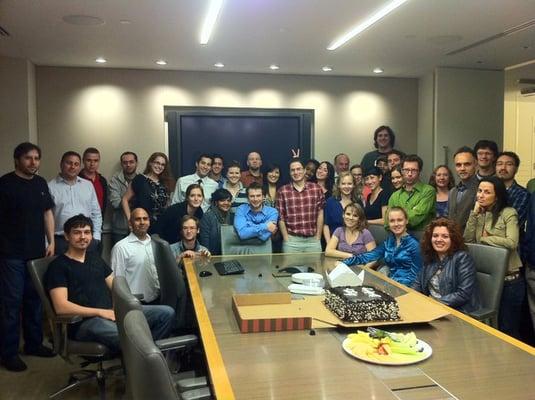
[
  {"x": 96, "y": 329},
  {"x": 18, "y": 297},
  {"x": 510, "y": 314}
]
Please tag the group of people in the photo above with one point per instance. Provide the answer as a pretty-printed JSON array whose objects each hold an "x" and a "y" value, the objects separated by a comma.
[{"x": 324, "y": 206}]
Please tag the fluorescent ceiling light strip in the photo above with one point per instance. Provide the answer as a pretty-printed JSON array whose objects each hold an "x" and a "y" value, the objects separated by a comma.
[
  {"x": 210, "y": 20},
  {"x": 383, "y": 12}
]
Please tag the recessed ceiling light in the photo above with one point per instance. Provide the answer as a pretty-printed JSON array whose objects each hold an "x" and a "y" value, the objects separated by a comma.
[
  {"x": 378, "y": 70},
  {"x": 274, "y": 67},
  {"x": 161, "y": 62},
  {"x": 84, "y": 20},
  {"x": 100, "y": 60},
  {"x": 361, "y": 26},
  {"x": 125, "y": 21},
  {"x": 210, "y": 20},
  {"x": 327, "y": 68},
  {"x": 219, "y": 65}
]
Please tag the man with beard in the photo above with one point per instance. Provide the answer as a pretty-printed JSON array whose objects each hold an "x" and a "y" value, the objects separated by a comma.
[{"x": 253, "y": 174}]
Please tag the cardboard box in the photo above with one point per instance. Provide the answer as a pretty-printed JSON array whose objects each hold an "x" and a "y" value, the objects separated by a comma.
[{"x": 265, "y": 312}]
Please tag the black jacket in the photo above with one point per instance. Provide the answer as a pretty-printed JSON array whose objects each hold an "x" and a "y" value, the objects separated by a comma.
[{"x": 457, "y": 282}]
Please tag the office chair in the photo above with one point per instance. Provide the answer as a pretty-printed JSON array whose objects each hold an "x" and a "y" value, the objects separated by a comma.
[
  {"x": 378, "y": 232},
  {"x": 124, "y": 302},
  {"x": 231, "y": 244},
  {"x": 172, "y": 287},
  {"x": 491, "y": 265},
  {"x": 148, "y": 374},
  {"x": 91, "y": 352}
]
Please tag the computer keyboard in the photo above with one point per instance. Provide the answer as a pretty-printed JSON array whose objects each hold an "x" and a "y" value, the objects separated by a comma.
[{"x": 231, "y": 267}]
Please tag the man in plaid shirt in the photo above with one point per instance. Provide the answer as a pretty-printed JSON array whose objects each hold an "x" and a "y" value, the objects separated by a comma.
[{"x": 300, "y": 205}]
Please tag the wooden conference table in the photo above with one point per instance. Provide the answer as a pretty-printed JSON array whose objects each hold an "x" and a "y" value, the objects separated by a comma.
[{"x": 470, "y": 360}]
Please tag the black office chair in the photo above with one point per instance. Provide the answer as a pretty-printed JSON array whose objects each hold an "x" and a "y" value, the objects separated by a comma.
[
  {"x": 491, "y": 265},
  {"x": 172, "y": 287},
  {"x": 91, "y": 352},
  {"x": 148, "y": 374},
  {"x": 378, "y": 232}
]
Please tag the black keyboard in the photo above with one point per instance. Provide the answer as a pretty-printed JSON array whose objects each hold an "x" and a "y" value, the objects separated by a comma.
[{"x": 231, "y": 267}]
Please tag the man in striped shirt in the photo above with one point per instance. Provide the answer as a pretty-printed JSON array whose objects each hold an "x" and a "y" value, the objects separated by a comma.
[{"x": 300, "y": 205}]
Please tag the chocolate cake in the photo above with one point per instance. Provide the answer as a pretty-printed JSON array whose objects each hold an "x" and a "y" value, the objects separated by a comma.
[{"x": 361, "y": 304}]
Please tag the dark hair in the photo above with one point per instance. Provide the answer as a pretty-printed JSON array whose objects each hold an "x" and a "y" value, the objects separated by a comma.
[
  {"x": 329, "y": 181},
  {"x": 216, "y": 155},
  {"x": 234, "y": 164},
  {"x": 486, "y": 144},
  {"x": 295, "y": 160},
  {"x": 313, "y": 161},
  {"x": 220, "y": 194},
  {"x": 78, "y": 221},
  {"x": 413, "y": 158},
  {"x": 269, "y": 168},
  {"x": 456, "y": 236},
  {"x": 390, "y": 134},
  {"x": 382, "y": 158},
  {"x": 24, "y": 148},
  {"x": 512, "y": 155},
  {"x": 254, "y": 186},
  {"x": 126, "y": 153},
  {"x": 432, "y": 178},
  {"x": 465, "y": 149},
  {"x": 355, "y": 166},
  {"x": 373, "y": 171},
  {"x": 193, "y": 186},
  {"x": 90, "y": 150},
  {"x": 363, "y": 222},
  {"x": 70, "y": 153},
  {"x": 166, "y": 176},
  {"x": 204, "y": 155},
  {"x": 398, "y": 152},
  {"x": 188, "y": 217},
  {"x": 501, "y": 196}
]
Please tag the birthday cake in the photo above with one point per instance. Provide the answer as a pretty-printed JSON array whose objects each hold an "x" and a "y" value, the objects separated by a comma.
[{"x": 361, "y": 304}]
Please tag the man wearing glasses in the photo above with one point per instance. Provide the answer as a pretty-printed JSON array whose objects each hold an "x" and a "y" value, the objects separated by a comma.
[{"x": 416, "y": 198}]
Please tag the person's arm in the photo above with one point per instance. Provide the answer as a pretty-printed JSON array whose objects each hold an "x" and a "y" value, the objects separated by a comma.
[
  {"x": 510, "y": 241},
  {"x": 420, "y": 211},
  {"x": 49, "y": 231},
  {"x": 125, "y": 201},
  {"x": 319, "y": 224},
  {"x": 247, "y": 229},
  {"x": 466, "y": 282},
  {"x": 283, "y": 230},
  {"x": 331, "y": 250},
  {"x": 412, "y": 265},
  {"x": 114, "y": 188},
  {"x": 63, "y": 306},
  {"x": 418, "y": 283},
  {"x": 327, "y": 233},
  {"x": 205, "y": 230},
  {"x": 178, "y": 196},
  {"x": 96, "y": 214},
  {"x": 471, "y": 227},
  {"x": 280, "y": 205},
  {"x": 379, "y": 221},
  {"x": 369, "y": 256},
  {"x": 118, "y": 261}
]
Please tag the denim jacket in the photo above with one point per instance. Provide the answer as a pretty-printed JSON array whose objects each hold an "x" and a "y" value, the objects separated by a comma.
[
  {"x": 404, "y": 260},
  {"x": 457, "y": 282}
]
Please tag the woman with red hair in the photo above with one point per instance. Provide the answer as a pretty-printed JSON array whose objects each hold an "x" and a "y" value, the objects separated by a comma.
[{"x": 448, "y": 274}]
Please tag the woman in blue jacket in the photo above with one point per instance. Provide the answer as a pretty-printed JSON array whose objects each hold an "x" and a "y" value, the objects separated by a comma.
[
  {"x": 400, "y": 251},
  {"x": 449, "y": 274}
]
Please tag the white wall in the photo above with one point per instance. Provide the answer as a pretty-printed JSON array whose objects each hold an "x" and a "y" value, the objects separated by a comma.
[
  {"x": 17, "y": 108},
  {"x": 426, "y": 129},
  {"x": 469, "y": 107},
  {"x": 119, "y": 109}
]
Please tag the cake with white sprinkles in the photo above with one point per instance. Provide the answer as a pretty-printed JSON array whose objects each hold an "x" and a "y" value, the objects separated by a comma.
[{"x": 361, "y": 304}]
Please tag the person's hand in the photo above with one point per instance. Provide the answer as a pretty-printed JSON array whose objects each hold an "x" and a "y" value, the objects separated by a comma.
[
  {"x": 188, "y": 254},
  {"x": 272, "y": 227},
  {"x": 205, "y": 253},
  {"x": 296, "y": 153},
  {"x": 107, "y": 314},
  {"x": 477, "y": 208},
  {"x": 485, "y": 233},
  {"x": 50, "y": 250}
]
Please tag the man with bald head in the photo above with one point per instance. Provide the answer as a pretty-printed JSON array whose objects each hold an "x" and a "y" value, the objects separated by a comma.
[
  {"x": 253, "y": 174},
  {"x": 341, "y": 163},
  {"x": 133, "y": 258}
]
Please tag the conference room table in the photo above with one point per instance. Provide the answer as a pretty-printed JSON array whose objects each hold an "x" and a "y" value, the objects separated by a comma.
[{"x": 470, "y": 360}]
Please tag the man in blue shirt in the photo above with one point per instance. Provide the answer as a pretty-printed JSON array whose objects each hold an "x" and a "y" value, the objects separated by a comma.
[{"x": 255, "y": 220}]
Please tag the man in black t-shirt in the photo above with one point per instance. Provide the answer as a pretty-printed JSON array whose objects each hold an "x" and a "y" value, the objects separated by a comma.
[
  {"x": 26, "y": 215},
  {"x": 80, "y": 283}
]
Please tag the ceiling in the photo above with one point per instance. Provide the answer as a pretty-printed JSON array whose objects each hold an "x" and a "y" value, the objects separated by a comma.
[{"x": 252, "y": 34}]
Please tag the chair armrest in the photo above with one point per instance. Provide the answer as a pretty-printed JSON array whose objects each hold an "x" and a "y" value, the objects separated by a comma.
[
  {"x": 176, "y": 342},
  {"x": 67, "y": 319},
  {"x": 186, "y": 384}
]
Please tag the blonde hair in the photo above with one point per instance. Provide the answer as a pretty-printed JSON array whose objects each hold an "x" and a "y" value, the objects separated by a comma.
[{"x": 355, "y": 195}]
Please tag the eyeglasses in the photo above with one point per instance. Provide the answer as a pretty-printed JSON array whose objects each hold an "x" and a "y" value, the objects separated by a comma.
[{"x": 410, "y": 170}]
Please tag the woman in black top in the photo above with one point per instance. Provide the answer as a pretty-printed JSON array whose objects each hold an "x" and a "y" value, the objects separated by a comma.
[
  {"x": 218, "y": 214},
  {"x": 325, "y": 178},
  {"x": 150, "y": 190},
  {"x": 377, "y": 200}
]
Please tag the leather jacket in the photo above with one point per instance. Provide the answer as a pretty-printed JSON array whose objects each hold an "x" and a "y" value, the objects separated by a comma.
[{"x": 457, "y": 282}]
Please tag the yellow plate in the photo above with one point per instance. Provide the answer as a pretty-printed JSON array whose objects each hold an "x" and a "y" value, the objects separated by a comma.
[{"x": 393, "y": 359}]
